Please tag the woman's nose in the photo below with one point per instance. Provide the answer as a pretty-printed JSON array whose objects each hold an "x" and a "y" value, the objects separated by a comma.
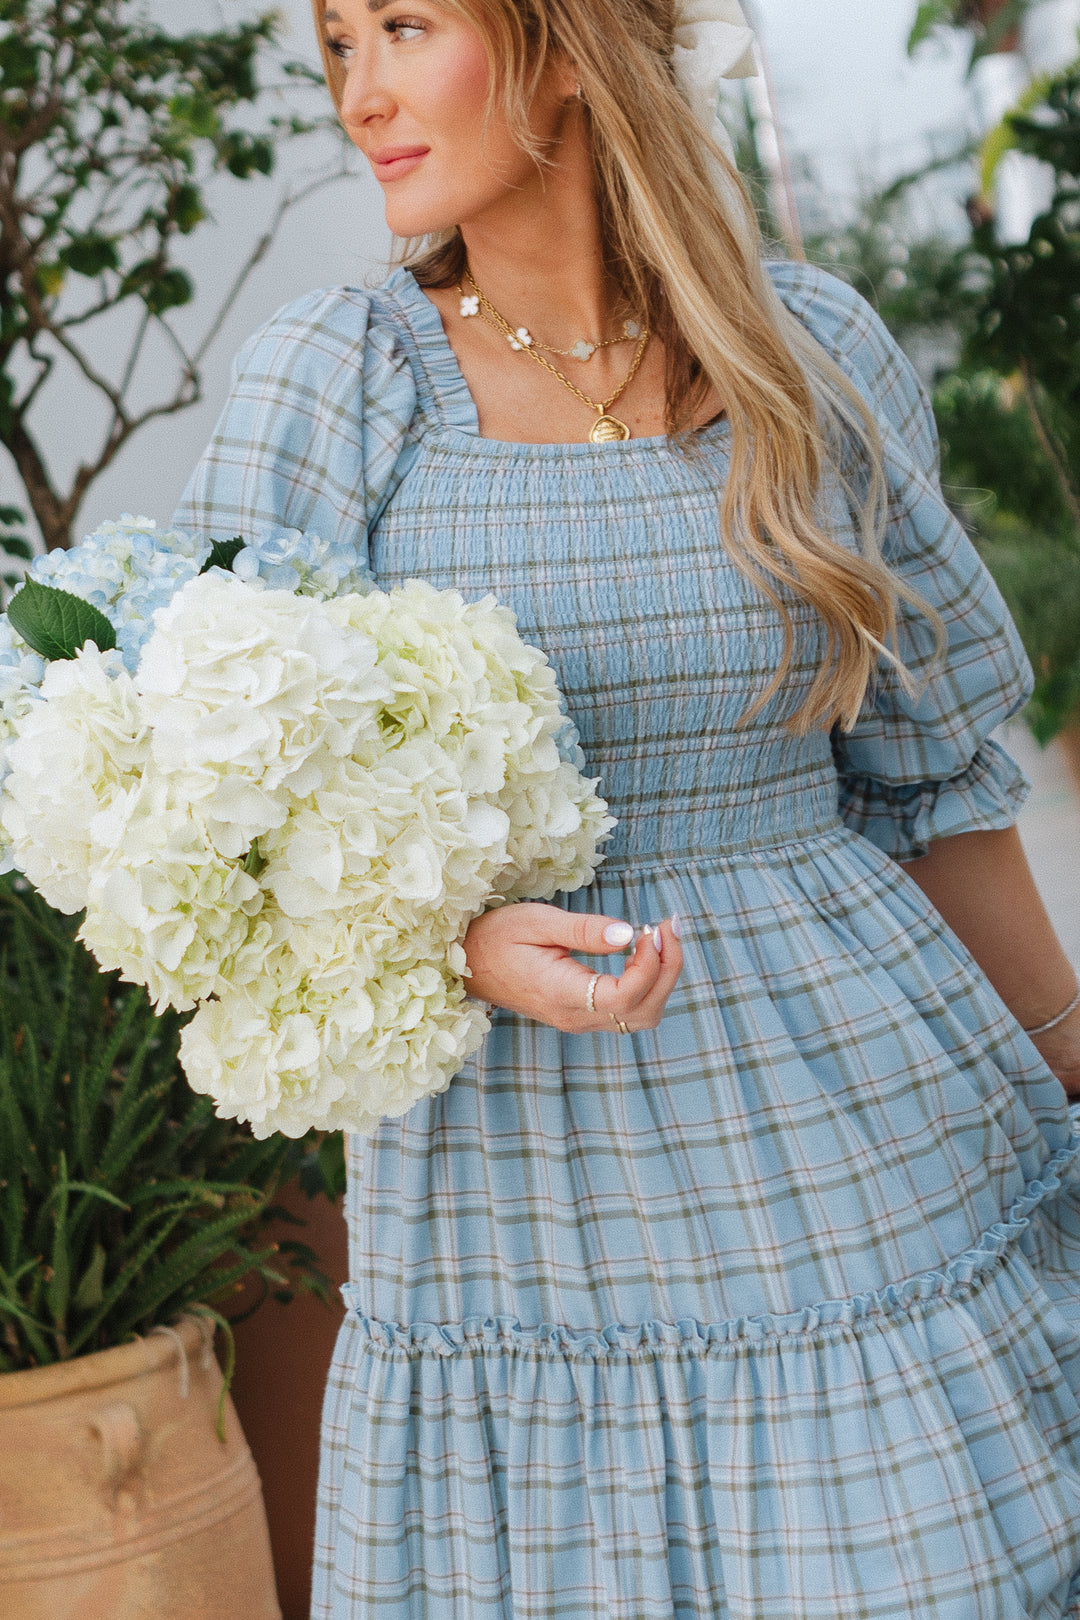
[{"x": 365, "y": 97}]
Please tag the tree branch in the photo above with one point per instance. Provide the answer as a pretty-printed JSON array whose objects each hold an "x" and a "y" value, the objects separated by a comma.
[
  {"x": 46, "y": 363},
  {"x": 259, "y": 251},
  {"x": 48, "y": 507}
]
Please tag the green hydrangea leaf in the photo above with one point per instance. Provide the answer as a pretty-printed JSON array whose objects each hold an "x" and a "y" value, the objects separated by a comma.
[
  {"x": 55, "y": 623},
  {"x": 222, "y": 554}
]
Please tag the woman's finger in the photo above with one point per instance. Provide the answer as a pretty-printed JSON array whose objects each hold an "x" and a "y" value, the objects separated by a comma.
[
  {"x": 650, "y": 1010},
  {"x": 622, "y": 994},
  {"x": 638, "y": 998},
  {"x": 580, "y": 931}
]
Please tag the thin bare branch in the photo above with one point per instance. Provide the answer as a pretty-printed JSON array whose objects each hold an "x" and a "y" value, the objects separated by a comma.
[
  {"x": 89, "y": 371},
  {"x": 259, "y": 251},
  {"x": 136, "y": 351},
  {"x": 46, "y": 362}
]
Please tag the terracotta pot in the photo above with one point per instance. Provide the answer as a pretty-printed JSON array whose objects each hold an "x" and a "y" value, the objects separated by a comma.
[{"x": 117, "y": 1499}]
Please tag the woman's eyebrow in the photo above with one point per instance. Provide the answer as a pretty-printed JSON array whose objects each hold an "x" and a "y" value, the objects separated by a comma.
[{"x": 372, "y": 5}]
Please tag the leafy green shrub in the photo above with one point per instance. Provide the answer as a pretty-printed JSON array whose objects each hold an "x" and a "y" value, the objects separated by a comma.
[{"x": 123, "y": 1199}]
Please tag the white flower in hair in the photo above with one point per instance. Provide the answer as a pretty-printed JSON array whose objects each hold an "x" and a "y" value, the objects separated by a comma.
[{"x": 712, "y": 42}]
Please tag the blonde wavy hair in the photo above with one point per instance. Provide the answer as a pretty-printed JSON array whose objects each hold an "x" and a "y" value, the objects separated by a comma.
[{"x": 693, "y": 258}]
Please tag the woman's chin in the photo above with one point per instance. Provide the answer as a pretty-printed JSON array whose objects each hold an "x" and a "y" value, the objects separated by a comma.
[{"x": 415, "y": 217}]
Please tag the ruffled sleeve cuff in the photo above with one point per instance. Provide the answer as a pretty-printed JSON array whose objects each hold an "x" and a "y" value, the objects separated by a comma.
[{"x": 904, "y": 820}]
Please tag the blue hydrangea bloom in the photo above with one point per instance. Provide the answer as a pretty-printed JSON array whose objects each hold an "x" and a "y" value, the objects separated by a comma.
[
  {"x": 127, "y": 570},
  {"x": 287, "y": 560}
]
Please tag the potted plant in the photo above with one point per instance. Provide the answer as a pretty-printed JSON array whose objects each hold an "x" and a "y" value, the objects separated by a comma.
[{"x": 129, "y": 1216}]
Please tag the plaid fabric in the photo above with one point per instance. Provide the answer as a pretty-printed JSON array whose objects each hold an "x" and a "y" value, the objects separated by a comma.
[{"x": 771, "y": 1312}]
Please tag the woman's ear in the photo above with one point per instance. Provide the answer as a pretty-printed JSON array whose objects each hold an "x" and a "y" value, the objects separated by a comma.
[{"x": 564, "y": 78}]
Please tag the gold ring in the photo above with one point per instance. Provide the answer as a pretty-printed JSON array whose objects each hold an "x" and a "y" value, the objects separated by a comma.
[
  {"x": 590, "y": 994},
  {"x": 619, "y": 1025}
]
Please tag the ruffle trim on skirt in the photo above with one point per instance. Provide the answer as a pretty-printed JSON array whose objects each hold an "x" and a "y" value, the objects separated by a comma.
[{"x": 954, "y": 1281}]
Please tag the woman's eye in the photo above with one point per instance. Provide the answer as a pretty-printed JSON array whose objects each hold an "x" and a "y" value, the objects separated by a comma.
[
  {"x": 338, "y": 48},
  {"x": 403, "y": 27}
]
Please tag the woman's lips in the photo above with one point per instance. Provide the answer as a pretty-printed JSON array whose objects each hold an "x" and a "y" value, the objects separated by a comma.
[{"x": 393, "y": 162}]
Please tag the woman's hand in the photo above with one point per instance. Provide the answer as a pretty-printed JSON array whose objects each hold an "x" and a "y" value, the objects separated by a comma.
[{"x": 520, "y": 958}]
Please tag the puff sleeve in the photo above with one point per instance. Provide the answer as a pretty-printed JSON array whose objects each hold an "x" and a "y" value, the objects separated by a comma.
[
  {"x": 916, "y": 769},
  {"x": 315, "y": 428}
]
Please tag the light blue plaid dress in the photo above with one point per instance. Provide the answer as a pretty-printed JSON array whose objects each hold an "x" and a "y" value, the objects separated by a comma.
[{"x": 772, "y": 1313}]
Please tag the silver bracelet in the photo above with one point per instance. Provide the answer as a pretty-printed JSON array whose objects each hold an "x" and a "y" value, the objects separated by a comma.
[{"x": 1060, "y": 1019}]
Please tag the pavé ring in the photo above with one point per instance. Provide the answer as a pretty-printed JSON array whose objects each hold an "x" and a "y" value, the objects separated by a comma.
[{"x": 590, "y": 994}]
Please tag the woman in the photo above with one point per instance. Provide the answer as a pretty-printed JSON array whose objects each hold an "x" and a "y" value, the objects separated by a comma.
[{"x": 741, "y": 1282}]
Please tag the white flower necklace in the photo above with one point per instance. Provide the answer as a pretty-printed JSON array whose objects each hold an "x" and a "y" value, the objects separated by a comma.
[
  {"x": 607, "y": 428},
  {"x": 521, "y": 338}
]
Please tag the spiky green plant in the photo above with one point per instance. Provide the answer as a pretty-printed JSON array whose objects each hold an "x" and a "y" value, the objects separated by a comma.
[{"x": 123, "y": 1199}]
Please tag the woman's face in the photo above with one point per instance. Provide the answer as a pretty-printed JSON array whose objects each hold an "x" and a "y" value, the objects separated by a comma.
[{"x": 415, "y": 98}]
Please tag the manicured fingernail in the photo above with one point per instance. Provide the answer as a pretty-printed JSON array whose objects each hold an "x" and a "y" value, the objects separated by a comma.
[
  {"x": 676, "y": 926},
  {"x": 658, "y": 940},
  {"x": 618, "y": 934}
]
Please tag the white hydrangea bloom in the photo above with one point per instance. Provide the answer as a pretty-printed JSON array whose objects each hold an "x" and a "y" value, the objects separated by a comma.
[
  {"x": 286, "y": 1059},
  {"x": 288, "y": 817},
  {"x": 163, "y": 906},
  {"x": 252, "y": 694},
  {"x": 78, "y": 748}
]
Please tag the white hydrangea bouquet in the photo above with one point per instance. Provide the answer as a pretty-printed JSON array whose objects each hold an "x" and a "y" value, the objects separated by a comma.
[{"x": 281, "y": 795}]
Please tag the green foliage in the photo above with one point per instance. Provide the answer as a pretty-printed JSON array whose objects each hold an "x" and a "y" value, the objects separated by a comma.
[
  {"x": 15, "y": 548},
  {"x": 223, "y": 554},
  {"x": 1004, "y": 326},
  {"x": 994, "y": 463},
  {"x": 126, "y": 121},
  {"x": 1027, "y": 328},
  {"x": 935, "y": 16},
  {"x": 917, "y": 285},
  {"x": 1030, "y": 317},
  {"x": 1040, "y": 578},
  {"x": 123, "y": 1199},
  {"x": 55, "y": 623}
]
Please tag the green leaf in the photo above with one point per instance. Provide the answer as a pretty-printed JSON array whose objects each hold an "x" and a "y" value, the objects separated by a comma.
[
  {"x": 50, "y": 279},
  {"x": 931, "y": 15},
  {"x": 188, "y": 208},
  {"x": 230, "y": 1361},
  {"x": 91, "y": 255},
  {"x": 255, "y": 862},
  {"x": 169, "y": 290},
  {"x": 223, "y": 554},
  {"x": 91, "y": 1289},
  {"x": 196, "y": 114},
  {"x": 55, "y": 623},
  {"x": 1000, "y": 25},
  {"x": 98, "y": 1192},
  {"x": 18, "y": 63}
]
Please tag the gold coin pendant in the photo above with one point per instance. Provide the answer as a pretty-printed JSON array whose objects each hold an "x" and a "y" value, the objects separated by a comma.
[{"x": 608, "y": 430}]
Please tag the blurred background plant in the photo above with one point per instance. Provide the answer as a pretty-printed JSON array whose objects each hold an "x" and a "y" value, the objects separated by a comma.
[
  {"x": 124, "y": 1201},
  {"x": 990, "y": 314}
]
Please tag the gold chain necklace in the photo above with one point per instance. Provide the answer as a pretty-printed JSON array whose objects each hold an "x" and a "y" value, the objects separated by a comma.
[{"x": 606, "y": 429}]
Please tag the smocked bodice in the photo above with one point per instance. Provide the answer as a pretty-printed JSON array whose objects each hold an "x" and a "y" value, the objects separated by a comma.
[{"x": 613, "y": 564}]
